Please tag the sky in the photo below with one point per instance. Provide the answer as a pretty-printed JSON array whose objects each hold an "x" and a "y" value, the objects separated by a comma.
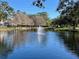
[{"x": 26, "y": 6}]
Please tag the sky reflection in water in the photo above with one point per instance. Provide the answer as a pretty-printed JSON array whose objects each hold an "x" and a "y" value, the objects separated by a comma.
[{"x": 30, "y": 45}]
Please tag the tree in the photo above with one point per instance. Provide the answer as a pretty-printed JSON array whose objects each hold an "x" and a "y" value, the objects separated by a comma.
[
  {"x": 49, "y": 22},
  {"x": 69, "y": 8},
  {"x": 5, "y": 11}
]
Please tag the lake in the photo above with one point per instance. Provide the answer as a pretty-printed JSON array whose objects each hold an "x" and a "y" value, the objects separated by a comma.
[{"x": 30, "y": 45}]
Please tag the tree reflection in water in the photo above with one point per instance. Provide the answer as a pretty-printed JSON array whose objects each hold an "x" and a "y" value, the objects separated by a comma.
[
  {"x": 9, "y": 40},
  {"x": 5, "y": 49},
  {"x": 12, "y": 39},
  {"x": 71, "y": 41}
]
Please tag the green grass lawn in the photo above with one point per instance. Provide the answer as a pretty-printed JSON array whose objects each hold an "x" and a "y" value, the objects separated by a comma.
[{"x": 5, "y": 28}]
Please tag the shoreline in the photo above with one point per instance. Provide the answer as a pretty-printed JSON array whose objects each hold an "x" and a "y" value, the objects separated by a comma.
[{"x": 4, "y": 28}]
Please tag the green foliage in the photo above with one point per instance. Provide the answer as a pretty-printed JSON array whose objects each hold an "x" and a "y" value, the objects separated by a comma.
[
  {"x": 49, "y": 22},
  {"x": 69, "y": 9},
  {"x": 5, "y": 10}
]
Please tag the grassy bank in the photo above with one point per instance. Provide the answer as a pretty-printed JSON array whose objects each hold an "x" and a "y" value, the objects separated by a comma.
[
  {"x": 4, "y": 28},
  {"x": 66, "y": 29}
]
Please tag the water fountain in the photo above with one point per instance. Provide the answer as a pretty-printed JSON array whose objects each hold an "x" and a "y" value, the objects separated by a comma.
[
  {"x": 41, "y": 34},
  {"x": 40, "y": 30}
]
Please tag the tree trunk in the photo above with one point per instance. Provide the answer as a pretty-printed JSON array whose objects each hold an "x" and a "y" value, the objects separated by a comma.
[
  {"x": 75, "y": 22},
  {"x": 74, "y": 25}
]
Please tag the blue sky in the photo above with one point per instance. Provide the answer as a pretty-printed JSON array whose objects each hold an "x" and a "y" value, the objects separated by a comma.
[{"x": 26, "y": 5}]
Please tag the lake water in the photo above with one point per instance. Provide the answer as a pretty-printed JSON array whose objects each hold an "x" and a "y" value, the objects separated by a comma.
[{"x": 30, "y": 45}]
